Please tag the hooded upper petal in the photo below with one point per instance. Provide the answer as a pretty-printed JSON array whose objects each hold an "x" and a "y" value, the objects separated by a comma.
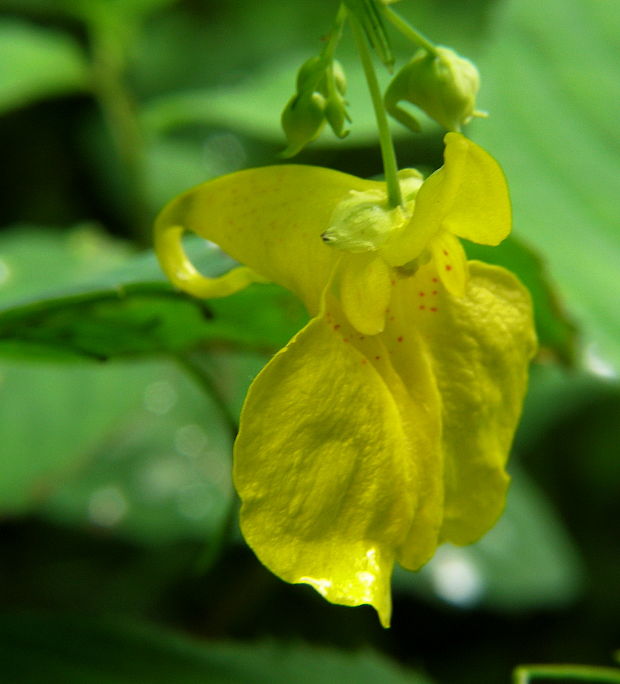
[{"x": 271, "y": 219}]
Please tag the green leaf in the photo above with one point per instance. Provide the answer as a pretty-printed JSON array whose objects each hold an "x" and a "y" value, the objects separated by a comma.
[
  {"x": 135, "y": 448},
  {"x": 128, "y": 311},
  {"x": 556, "y": 331},
  {"x": 159, "y": 473},
  {"x": 553, "y": 126},
  {"x": 37, "y": 63},
  {"x": 37, "y": 649},
  {"x": 525, "y": 562}
]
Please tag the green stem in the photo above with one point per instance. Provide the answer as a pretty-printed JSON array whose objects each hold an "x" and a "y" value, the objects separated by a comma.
[
  {"x": 119, "y": 112},
  {"x": 207, "y": 559},
  {"x": 335, "y": 34},
  {"x": 408, "y": 31},
  {"x": 390, "y": 167},
  {"x": 206, "y": 383},
  {"x": 525, "y": 673}
]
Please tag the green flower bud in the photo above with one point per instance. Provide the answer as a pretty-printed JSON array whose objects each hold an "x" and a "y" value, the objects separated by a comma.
[
  {"x": 337, "y": 117},
  {"x": 336, "y": 108},
  {"x": 321, "y": 85},
  {"x": 310, "y": 74},
  {"x": 444, "y": 85},
  {"x": 302, "y": 120},
  {"x": 339, "y": 77}
]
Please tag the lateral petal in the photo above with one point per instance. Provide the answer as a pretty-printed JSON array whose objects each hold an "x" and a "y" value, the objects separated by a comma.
[
  {"x": 467, "y": 196},
  {"x": 270, "y": 219},
  {"x": 407, "y": 370},
  {"x": 480, "y": 204},
  {"x": 480, "y": 346},
  {"x": 324, "y": 469}
]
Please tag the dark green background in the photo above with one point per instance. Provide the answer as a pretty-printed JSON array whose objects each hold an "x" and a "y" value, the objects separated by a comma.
[{"x": 120, "y": 557}]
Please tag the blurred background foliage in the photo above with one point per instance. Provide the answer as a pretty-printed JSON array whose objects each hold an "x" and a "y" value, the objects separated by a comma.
[{"x": 121, "y": 559}]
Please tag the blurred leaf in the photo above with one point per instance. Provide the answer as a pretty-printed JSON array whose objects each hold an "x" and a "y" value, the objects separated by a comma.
[
  {"x": 123, "y": 10},
  {"x": 556, "y": 395},
  {"x": 138, "y": 449},
  {"x": 36, "y": 63},
  {"x": 84, "y": 8},
  {"x": 253, "y": 107},
  {"x": 556, "y": 332},
  {"x": 161, "y": 473},
  {"x": 52, "y": 417},
  {"x": 525, "y": 562},
  {"x": 132, "y": 310},
  {"x": 34, "y": 259},
  {"x": 38, "y": 649},
  {"x": 551, "y": 85}
]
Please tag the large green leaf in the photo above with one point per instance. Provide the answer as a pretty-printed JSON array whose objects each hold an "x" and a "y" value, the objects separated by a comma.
[
  {"x": 551, "y": 84},
  {"x": 36, "y": 63},
  {"x": 128, "y": 310},
  {"x": 137, "y": 448},
  {"x": 98, "y": 442},
  {"x": 37, "y": 649}
]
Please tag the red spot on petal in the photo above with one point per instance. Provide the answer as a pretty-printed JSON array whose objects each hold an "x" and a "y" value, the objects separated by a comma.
[
  {"x": 421, "y": 306},
  {"x": 433, "y": 308},
  {"x": 448, "y": 267},
  {"x": 377, "y": 358},
  {"x": 434, "y": 292},
  {"x": 421, "y": 294},
  {"x": 391, "y": 318},
  {"x": 336, "y": 326},
  {"x": 445, "y": 252},
  {"x": 345, "y": 339},
  {"x": 435, "y": 280},
  {"x": 399, "y": 339},
  {"x": 364, "y": 362}
]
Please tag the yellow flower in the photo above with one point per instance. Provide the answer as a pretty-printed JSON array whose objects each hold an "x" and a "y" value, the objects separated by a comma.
[{"x": 382, "y": 429}]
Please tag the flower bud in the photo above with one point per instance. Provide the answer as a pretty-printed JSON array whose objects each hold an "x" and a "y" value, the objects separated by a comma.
[
  {"x": 443, "y": 85},
  {"x": 309, "y": 74},
  {"x": 336, "y": 107},
  {"x": 339, "y": 77},
  {"x": 302, "y": 121}
]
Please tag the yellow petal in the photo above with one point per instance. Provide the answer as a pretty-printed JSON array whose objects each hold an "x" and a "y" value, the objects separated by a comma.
[
  {"x": 450, "y": 262},
  {"x": 467, "y": 196},
  {"x": 404, "y": 362},
  {"x": 480, "y": 346},
  {"x": 324, "y": 469},
  {"x": 270, "y": 219},
  {"x": 480, "y": 207},
  {"x": 181, "y": 271},
  {"x": 365, "y": 290}
]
